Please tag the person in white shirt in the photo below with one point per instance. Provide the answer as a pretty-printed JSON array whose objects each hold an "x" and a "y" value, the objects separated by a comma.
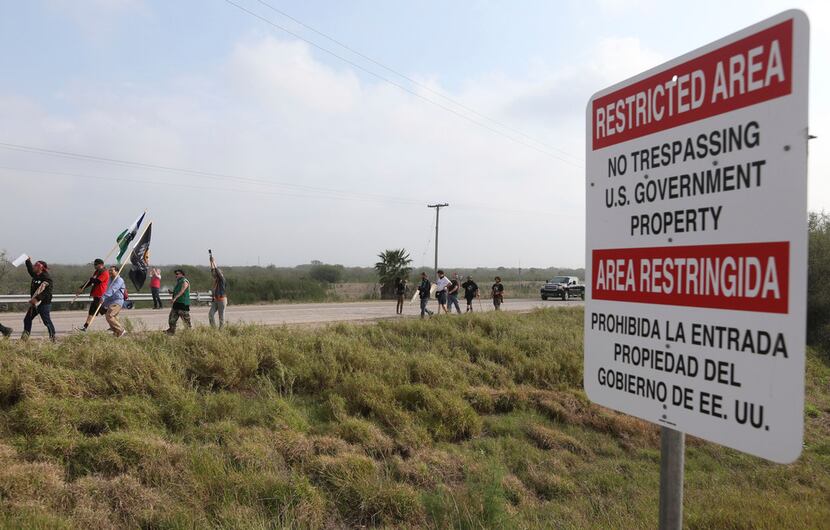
[{"x": 442, "y": 283}]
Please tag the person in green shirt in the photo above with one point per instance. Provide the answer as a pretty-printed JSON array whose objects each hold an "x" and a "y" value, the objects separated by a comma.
[{"x": 181, "y": 303}]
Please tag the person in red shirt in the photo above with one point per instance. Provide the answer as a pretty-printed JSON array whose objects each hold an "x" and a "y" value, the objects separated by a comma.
[
  {"x": 155, "y": 287},
  {"x": 99, "y": 281}
]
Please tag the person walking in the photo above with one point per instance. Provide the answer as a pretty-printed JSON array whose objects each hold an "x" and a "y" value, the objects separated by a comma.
[
  {"x": 442, "y": 283},
  {"x": 98, "y": 281},
  {"x": 155, "y": 287},
  {"x": 423, "y": 293},
  {"x": 470, "y": 292},
  {"x": 452, "y": 293},
  {"x": 219, "y": 301},
  {"x": 400, "y": 293},
  {"x": 181, "y": 302},
  {"x": 40, "y": 303},
  {"x": 5, "y": 331},
  {"x": 498, "y": 293},
  {"x": 113, "y": 302}
]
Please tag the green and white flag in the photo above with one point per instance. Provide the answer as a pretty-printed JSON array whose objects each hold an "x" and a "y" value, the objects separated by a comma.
[{"x": 125, "y": 238}]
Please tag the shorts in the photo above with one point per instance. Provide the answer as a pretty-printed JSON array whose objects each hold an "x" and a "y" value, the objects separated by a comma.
[
  {"x": 95, "y": 304},
  {"x": 442, "y": 297}
]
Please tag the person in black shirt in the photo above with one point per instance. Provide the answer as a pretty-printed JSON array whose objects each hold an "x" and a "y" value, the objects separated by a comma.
[
  {"x": 498, "y": 293},
  {"x": 400, "y": 293},
  {"x": 423, "y": 292},
  {"x": 40, "y": 303},
  {"x": 470, "y": 292}
]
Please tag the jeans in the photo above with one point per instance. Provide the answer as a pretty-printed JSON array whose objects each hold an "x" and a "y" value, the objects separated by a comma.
[
  {"x": 424, "y": 310},
  {"x": 156, "y": 297},
  {"x": 175, "y": 315},
  {"x": 454, "y": 302},
  {"x": 217, "y": 305},
  {"x": 44, "y": 310}
]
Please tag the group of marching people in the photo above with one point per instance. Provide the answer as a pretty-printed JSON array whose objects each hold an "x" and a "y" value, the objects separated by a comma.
[
  {"x": 446, "y": 293},
  {"x": 109, "y": 297}
]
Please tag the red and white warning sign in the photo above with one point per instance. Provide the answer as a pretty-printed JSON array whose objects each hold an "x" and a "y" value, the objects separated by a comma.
[{"x": 696, "y": 260}]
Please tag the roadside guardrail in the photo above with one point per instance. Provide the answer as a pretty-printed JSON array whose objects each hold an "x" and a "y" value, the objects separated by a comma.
[{"x": 7, "y": 299}]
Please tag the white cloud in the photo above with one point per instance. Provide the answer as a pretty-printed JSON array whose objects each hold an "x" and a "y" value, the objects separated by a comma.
[
  {"x": 280, "y": 74},
  {"x": 272, "y": 110},
  {"x": 98, "y": 19}
]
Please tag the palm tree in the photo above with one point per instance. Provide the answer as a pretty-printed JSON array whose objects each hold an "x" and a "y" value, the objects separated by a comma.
[{"x": 393, "y": 264}]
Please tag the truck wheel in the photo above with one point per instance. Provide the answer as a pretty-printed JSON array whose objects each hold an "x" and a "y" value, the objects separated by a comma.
[
  {"x": 544, "y": 297},
  {"x": 582, "y": 296}
]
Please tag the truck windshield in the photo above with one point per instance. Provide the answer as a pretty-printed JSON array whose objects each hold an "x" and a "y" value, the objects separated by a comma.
[{"x": 560, "y": 279}]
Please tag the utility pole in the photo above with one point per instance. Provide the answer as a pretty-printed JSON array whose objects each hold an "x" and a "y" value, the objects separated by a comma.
[{"x": 437, "y": 213}]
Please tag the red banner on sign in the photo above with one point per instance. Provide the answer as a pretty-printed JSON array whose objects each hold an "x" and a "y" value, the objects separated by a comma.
[
  {"x": 742, "y": 277},
  {"x": 754, "y": 69}
]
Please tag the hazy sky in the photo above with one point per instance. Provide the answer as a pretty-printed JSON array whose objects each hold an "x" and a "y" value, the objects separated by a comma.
[{"x": 304, "y": 156}]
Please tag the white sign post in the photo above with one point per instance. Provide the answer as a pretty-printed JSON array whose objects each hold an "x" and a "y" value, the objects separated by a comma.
[{"x": 696, "y": 244}]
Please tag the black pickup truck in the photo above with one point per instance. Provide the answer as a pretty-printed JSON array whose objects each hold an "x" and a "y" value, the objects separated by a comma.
[{"x": 563, "y": 287}]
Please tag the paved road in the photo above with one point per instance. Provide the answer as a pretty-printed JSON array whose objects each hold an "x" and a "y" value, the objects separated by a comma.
[{"x": 272, "y": 315}]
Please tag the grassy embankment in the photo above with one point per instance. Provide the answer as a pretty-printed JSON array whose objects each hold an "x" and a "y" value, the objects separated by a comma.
[{"x": 471, "y": 422}]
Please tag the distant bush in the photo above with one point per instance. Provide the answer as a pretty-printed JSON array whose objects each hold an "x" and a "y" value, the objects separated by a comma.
[
  {"x": 327, "y": 273},
  {"x": 818, "y": 280}
]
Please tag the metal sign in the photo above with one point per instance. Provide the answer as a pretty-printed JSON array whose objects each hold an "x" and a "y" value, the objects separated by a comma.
[{"x": 696, "y": 258}]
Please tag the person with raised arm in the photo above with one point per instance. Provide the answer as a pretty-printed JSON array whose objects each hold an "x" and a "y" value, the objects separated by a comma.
[
  {"x": 219, "y": 301},
  {"x": 40, "y": 303},
  {"x": 155, "y": 287}
]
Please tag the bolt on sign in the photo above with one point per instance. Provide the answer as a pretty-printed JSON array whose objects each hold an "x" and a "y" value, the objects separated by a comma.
[{"x": 696, "y": 241}]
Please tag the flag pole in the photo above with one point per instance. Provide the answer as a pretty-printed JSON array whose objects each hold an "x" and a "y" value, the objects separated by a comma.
[
  {"x": 105, "y": 260},
  {"x": 135, "y": 240},
  {"x": 110, "y": 253}
]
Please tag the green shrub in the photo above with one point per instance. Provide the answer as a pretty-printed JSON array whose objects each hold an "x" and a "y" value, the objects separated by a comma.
[{"x": 471, "y": 422}]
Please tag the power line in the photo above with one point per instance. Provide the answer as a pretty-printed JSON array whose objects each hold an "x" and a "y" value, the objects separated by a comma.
[
  {"x": 416, "y": 82},
  {"x": 197, "y": 172},
  {"x": 402, "y": 87},
  {"x": 297, "y": 188},
  {"x": 182, "y": 185}
]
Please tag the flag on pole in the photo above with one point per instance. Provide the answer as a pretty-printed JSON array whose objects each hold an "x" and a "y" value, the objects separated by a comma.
[
  {"x": 140, "y": 259},
  {"x": 125, "y": 238}
]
